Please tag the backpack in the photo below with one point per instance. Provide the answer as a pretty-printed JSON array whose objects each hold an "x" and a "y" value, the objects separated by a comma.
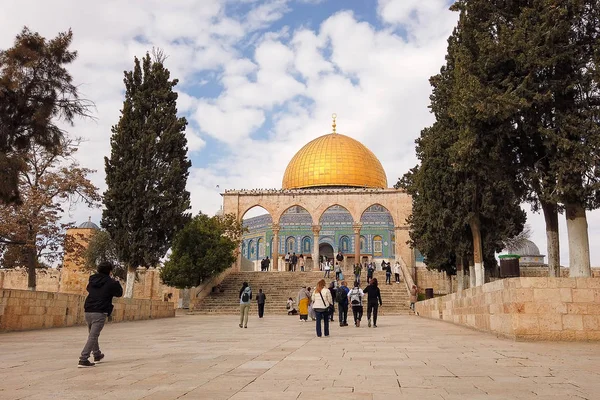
[
  {"x": 340, "y": 295},
  {"x": 355, "y": 297},
  {"x": 245, "y": 296},
  {"x": 339, "y": 257}
]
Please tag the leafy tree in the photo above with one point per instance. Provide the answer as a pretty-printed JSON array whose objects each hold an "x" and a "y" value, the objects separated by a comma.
[
  {"x": 36, "y": 93},
  {"x": 146, "y": 202},
  {"x": 50, "y": 184},
  {"x": 101, "y": 248},
  {"x": 202, "y": 249}
]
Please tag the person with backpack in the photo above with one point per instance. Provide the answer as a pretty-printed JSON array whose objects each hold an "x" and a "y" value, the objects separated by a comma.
[
  {"x": 357, "y": 270},
  {"x": 98, "y": 307},
  {"x": 374, "y": 296},
  {"x": 388, "y": 274},
  {"x": 370, "y": 271},
  {"x": 260, "y": 301},
  {"x": 341, "y": 296},
  {"x": 322, "y": 301},
  {"x": 355, "y": 297},
  {"x": 245, "y": 297}
]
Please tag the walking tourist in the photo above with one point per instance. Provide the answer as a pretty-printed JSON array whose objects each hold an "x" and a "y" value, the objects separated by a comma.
[
  {"x": 287, "y": 261},
  {"x": 293, "y": 261},
  {"x": 98, "y": 306},
  {"x": 355, "y": 296},
  {"x": 290, "y": 307},
  {"x": 245, "y": 297},
  {"x": 301, "y": 262},
  {"x": 372, "y": 301},
  {"x": 339, "y": 258},
  {"x": 338, "y": 271},
  {"x": 327, "y": 269},
  {"x": 397, "y": 271},
  {"x": 332, "y": 291},
  {"x": 370, "y": 271},
  {"x": 303, "y": 302},
  {"x": 322, "y": 301},
  {"x": 341, "y": 296},
  {"x": 357, "y": 269},
  {"x": 260, "y": 301},
  {"x": 267, "y": 263},
  {"x": 413, "y": 297},
  {"x": 262, "y": 265},
  {"x": 388, "y": 274}
]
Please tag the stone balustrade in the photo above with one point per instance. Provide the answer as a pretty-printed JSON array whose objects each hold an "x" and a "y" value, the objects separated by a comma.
[
  {"x": 524, "y": 308},
  {"x": 25, "y": 310}
]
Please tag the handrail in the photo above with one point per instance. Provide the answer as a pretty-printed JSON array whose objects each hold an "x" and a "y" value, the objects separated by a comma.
[{"x": 408, "y": 280}]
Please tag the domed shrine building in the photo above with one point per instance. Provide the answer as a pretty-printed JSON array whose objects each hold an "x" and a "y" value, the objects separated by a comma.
[{"x": 334, "y": 197}]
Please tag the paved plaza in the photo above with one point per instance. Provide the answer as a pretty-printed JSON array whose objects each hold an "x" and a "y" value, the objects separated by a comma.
[{"x": 210, "y": 357}]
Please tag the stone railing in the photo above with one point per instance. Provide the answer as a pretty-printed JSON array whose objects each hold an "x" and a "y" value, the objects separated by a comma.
[
  {"x": 25, "y": 310},
  {"x": 524, "y": 308},
  {"x": 205, "y": 288},
  {"x": 408, "y": 280}
]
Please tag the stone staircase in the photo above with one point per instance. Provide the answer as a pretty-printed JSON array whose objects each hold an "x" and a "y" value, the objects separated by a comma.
[{"x": 279, "y": 286}]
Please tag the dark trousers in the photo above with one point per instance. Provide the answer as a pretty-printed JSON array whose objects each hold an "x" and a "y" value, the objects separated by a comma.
[
  {"x": 357, "y": 311},
  {"x": 369, "y": 277},
  {"x": 332, "y": 312},
  {"x": 325, "y": 317},
  {"x": 343, "y": 313},
  {"x": 95, "y": 322},
  {"x": 397, "y": 278},
  {"x": 388, "y": 278},
  {"x": 372, "y": 309},
  {"x": 261, "y": 310}
]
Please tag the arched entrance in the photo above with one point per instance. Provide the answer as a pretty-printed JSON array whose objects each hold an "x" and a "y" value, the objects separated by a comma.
[{"x": 326, "y": 250}]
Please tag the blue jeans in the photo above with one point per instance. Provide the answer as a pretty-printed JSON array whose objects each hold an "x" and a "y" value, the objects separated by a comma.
[{"x": 325, "y": 317}]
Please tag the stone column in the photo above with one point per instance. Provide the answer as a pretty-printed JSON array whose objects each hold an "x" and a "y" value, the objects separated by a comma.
[
  {"x": 356, "y": 228},
  {"x": 315, "y": 250},
  {"x": 275, "y": 249}
]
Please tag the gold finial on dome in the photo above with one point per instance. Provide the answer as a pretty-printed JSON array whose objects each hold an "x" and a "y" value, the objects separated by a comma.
[{"x": 334, "y": 116}]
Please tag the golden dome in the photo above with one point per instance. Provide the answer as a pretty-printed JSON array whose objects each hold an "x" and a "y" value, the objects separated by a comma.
[{"x": 334, "y": 160}]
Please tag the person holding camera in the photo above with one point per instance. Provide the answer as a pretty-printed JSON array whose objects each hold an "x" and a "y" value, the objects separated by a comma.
[{"x": 98, "y": 307}]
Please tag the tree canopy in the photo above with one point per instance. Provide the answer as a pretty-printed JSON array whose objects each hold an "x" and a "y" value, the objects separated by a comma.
[{"x": 204, "y": 248}]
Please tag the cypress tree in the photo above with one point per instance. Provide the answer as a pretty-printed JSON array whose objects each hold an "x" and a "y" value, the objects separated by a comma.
[{"x": 146, "y": 202}]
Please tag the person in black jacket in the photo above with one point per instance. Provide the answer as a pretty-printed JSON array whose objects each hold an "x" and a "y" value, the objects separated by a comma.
[
  {"x": 98, "y": 306},
  {"x": 374, "y": 296}
]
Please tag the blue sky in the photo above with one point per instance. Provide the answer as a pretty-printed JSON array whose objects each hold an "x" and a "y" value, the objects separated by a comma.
[{"x": 259, "y": 79}]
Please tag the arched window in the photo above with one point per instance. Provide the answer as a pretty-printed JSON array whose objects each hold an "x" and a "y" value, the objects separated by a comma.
[
  {"x": 306, "y": 245},
  {"x": 251, "y": 249},
  {"x": 363, "y": 244},
  {"x": 345, "y": 244},
  {"x": 244, "y": 249},
  {"x": 377, "y": 246},
  {"x": 290, "y": 244},
  {"x": 261, "y": 248}
]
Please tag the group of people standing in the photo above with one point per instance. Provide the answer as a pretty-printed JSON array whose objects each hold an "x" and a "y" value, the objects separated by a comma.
[{"x": 370, "y": 267}]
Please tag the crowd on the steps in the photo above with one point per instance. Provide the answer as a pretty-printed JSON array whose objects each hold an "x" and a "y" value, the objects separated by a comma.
[{"x": 319, "y": 303}]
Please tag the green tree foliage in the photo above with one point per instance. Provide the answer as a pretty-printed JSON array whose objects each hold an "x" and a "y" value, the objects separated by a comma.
[
  {"x": 36, "y": 93},
  {"x": 101, "y": 248},
  {"x": 202, "y": 249},
  {"x": 146, "y": 202}
]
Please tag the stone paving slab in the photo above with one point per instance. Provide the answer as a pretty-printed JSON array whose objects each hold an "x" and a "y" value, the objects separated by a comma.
[{"x": 210, "y": 357}]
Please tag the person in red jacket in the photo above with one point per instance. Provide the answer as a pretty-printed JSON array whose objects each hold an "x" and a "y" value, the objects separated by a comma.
[{"x": 98, "y": 306}]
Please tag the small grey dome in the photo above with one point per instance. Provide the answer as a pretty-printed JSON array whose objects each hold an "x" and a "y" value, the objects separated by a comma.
[
  {"x": 89, "y": 225},
  {"x": 528, "y": 248}
]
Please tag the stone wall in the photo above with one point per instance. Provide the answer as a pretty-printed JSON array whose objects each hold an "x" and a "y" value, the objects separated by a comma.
[
  {"x": 74, "y": 281},
  {"x": 524, "y": 308},
  {"x": 24, "y": 310}
]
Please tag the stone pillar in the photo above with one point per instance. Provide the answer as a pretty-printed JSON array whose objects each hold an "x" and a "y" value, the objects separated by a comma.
[
  {"x": 275, "y": 249},
  {"x": 315, "y": 250},
  {"x": 356, "y": 228}
]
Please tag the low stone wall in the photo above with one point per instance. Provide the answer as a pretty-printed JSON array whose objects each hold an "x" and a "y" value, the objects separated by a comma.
[
  {"x": 524, "y": 308},
  {"x": 25, "y": 310}
]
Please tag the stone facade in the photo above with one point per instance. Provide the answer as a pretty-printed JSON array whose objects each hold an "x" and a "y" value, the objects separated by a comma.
[
  {"x": 524, "y": 308},
  {"x": 316, "y": 202},
  {"x": 24, "y": 310}
]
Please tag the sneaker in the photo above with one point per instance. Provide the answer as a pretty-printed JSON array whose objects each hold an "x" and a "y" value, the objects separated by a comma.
[
  {"x": 245, "y": 326},
  {"x": 241, "y": 326},
  {"x": 358, "y": 324},
  {"x": 98, "y": 358},
  {"x": 369, "y": 324},
  {"x": 85, "y": 364},
  {"x": 374, "y": 326}
]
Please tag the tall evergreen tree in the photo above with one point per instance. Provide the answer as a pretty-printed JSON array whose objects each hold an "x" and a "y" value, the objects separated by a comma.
[{"x": 146, "y": 202}]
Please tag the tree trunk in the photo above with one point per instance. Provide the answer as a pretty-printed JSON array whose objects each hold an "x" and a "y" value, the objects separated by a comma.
[
  {"x": 579, "y": 246},
  {"x": 475, "y": 226},
  {"x": 553, "y": 246},
  {"x": 471, "y": 273},
  {"x": 130, "y": 282},
  {"x": 460, "y": 274},
  {"x": 31, "y": 259}
]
